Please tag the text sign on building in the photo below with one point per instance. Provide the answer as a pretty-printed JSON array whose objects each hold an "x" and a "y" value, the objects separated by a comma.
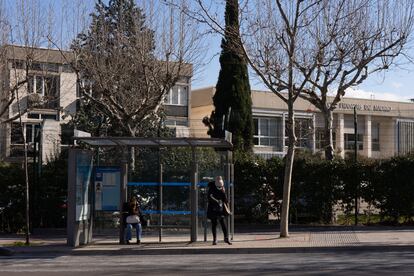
[
  {"x": 364, "y": 107},
  {"x": 107, "y": 181}
]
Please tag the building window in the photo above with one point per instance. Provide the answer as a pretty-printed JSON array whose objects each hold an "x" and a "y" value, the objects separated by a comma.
[
  {"x": 320, "y": 138},
  {"x": 375, "y": 143},
  {"x": 31, "y": 131},
  {"x": 40, "y": 116},
  {"x": 303, "y": 132},
  {"x": 67, "y": 68},
  {"x": 405, "y": 136},
  {"x": 18, "y": 64},
  {"x": 47, "y": 89},
  {"x": 50, "y": 117},
  {"x": 173, "y": 123},
  {"x": 268, "y": 132},
  {"x": 178, "y": 95},
  {"x": 44, "y": 85},
  {"x": 16, "y": 134},
  {"x": 350, "y": 141},
  {"x": 46, "y": 67},
  {"x": 33, "y": 116}
]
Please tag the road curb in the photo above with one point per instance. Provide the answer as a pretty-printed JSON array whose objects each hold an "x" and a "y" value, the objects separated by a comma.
[{"x": 208, "y": 250}]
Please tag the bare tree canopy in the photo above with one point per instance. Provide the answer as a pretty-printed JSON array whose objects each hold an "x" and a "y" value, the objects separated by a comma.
[
  {"x": 349, "y": 41},
  {"x": 272, "y": 35},
  {"x": 131, "y": 62},
  {"x": 310, "y": 48},
  {"x": 26, "y": 29}
]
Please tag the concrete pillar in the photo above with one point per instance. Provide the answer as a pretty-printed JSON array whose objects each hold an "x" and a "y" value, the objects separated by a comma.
[
  {"x": 123, "y": 195},
  {"x": 160, "y": 195},
  {"x": 340, "y": 144},
  {"x": 50, "y": 137},
  {"x": 229, "y": 190},
  {"x": 194, "y": 197},
  {"x": 367, "y": 137},
  {"x": 79, "y": 217}
]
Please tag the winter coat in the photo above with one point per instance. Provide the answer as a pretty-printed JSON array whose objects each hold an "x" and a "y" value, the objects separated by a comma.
[
  {"x": 130, "y": 210},
  {"x": 214, "y": 210}
]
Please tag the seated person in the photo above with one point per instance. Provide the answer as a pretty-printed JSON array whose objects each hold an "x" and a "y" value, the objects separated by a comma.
[{"x": 133, "y": 220}]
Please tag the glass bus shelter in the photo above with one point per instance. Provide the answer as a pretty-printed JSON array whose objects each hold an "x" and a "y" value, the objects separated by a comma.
[{"x": 173, "y": 173}]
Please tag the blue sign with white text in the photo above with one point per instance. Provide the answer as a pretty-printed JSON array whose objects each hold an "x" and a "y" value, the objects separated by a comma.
[{"x": 107, "y": 185}]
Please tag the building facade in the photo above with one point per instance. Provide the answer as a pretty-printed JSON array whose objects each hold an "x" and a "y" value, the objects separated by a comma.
[
  {"x": 51, "y": 96},
  {"x": 384, "y": 128},
  {"x": 177, "y": 106},
  {"x": 47, "y": 99}
]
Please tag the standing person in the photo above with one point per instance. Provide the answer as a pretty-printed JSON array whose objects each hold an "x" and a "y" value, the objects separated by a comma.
[
  {"x": 216, "y": 210},
  {"x": 133, "y": 220}
]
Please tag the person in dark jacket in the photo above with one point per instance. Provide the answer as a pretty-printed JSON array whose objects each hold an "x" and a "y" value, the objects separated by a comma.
[
  {"x": 133, "y": 220},
  {"x": 216, "y": 210}
]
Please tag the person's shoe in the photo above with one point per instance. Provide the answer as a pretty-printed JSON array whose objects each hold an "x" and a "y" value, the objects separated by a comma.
[
  {"x": 226, "y": 240},
  {"x": 214, "y": 242},
  {"x": 138, "y": 241}
]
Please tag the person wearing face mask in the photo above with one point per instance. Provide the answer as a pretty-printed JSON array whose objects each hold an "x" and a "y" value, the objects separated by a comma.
[{"x": 217, "y": 208}]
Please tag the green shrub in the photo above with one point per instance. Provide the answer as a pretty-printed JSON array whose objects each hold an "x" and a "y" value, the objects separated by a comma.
[
  {"x": 12, "y": 198},
  {"x": 393, "y": 188},
  {"x": 318, "y": 185}
]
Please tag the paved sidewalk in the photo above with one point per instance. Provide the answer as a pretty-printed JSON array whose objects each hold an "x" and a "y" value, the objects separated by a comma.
[{"x": 300, "y": 240}]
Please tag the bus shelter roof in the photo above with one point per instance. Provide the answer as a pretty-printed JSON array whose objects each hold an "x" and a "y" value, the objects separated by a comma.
[{"x": 155, "y": 142}]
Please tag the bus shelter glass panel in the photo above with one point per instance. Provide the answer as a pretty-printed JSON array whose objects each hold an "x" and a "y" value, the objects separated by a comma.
[
  {"x": 143, "y": 183},
  {"x": 177, "y": 168},
  {"x": 211, "y": 163},
  {"x": 106, "y": 190}
]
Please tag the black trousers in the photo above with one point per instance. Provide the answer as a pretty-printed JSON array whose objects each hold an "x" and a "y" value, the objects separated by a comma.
[{"x": 214, "y": 226}]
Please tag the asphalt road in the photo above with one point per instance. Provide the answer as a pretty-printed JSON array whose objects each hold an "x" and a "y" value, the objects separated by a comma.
[{"x": 332, "y": 263}]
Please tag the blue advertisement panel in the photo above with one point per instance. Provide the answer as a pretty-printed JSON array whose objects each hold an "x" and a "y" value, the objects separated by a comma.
[{"x": 107, "y": 185}]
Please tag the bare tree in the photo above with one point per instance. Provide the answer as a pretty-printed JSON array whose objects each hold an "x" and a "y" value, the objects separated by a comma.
[
  {"x": 273, "y": 36},
  {"x": 308, "y": 48},
  {"x": 350, "y": 40},
  {"x": 20, "y": 35},
  {"x": 132, "y": 57}
]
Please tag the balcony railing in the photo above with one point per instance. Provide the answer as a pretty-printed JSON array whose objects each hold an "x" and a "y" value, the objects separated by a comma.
[
  {"x": 35, "y": 100},
  {"x": 17, "y": 150},
  {"x": 176, "y": 110}
]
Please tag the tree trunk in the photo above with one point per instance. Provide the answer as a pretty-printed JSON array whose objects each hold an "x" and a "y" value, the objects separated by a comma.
[
  {"x": 132, "y": 159},
  {"x": 26, "y": 172},
  {"x": 287, "y": 183},
  {"x": 328, "y": 141},
  {"x": 132, "y": 151},
  {"x": 26, "y": 177}
]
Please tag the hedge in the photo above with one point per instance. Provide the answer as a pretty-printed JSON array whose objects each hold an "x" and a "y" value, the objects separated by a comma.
[{"x": 317, "y": 187}]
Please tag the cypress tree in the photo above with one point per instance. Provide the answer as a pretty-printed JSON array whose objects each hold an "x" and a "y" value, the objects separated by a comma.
[{"x": 232, "y": 100}]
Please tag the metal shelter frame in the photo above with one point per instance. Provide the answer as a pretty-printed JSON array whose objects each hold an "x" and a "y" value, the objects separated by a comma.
[{"x": 128, "y": 142}]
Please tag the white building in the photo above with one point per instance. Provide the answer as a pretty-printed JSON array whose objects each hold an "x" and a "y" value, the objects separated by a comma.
[
  {"x": 51, "y": 96},
  {"x": 385, "y": 128}
]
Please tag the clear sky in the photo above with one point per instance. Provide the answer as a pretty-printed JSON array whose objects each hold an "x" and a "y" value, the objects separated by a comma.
[{"x": 396, "y": 84}]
